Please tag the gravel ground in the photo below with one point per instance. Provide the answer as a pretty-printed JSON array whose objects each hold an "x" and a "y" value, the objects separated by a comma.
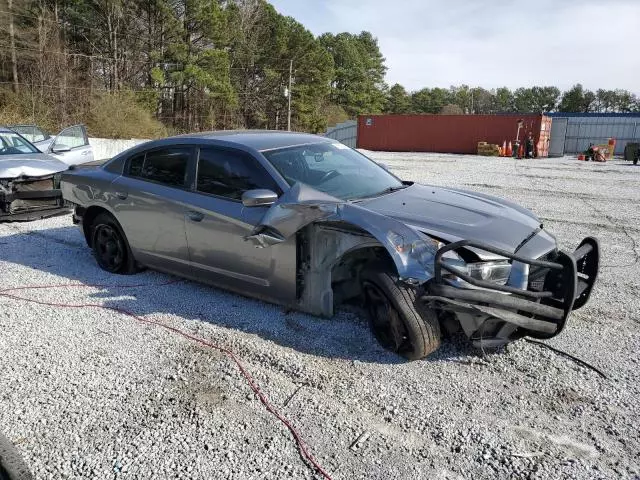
[{"x": 89, "y": 393}]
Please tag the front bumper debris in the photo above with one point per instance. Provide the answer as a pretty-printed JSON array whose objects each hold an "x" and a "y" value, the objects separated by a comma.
[
  {"x": 502, "y": 313},
  {"x": 31, "y": 199},
  {"x": 30, "y": 216}
]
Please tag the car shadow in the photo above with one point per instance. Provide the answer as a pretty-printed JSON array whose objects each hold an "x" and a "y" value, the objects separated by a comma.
[{"x": 63, "y": 255}]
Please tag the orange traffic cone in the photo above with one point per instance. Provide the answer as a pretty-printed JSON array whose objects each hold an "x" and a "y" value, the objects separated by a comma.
[
  {"x": 521, "y": 151},
  {"x": 504, "y": 149},
  {"x": 509, "y": 150}
]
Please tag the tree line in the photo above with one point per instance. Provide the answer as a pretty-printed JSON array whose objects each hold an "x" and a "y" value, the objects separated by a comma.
[
  {"x": 464, "y": 99},
  {"x": 191, "y": 64},
  {"x": 151, "y": 67}
]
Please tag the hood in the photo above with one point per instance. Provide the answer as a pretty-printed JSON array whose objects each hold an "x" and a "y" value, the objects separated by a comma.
[
  {"x": 29, "y": 165},
  {"x": 453, "y": 214}
]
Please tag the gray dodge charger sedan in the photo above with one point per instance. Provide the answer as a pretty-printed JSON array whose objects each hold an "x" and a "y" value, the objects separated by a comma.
[{"x": 304, "y": 221}]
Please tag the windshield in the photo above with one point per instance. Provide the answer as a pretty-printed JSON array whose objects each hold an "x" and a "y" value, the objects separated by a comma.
[
  {"x": 334, "y": 169},
  {"x": 13, "y": 144}
]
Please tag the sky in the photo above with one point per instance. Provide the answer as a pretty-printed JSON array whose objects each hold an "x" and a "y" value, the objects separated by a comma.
[{"x": 491, "y": 43}]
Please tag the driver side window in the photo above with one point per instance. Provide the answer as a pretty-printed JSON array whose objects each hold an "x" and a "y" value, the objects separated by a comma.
[{"x": 229, "y": 174}]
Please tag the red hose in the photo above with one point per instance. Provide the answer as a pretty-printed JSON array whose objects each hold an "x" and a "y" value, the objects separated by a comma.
[{"x": 304, "y": 452}]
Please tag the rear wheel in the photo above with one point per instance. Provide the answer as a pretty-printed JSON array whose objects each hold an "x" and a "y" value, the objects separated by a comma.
[
  {"x": 110, "y": 246},
  {"x": 398, "y": 319}
]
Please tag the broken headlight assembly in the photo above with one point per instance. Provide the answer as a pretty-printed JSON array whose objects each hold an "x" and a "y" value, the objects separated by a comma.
[
  {"x": 420, "y": 250},
  {"x": 496, "y": 271},
  {"x": 424, "y": 252}
]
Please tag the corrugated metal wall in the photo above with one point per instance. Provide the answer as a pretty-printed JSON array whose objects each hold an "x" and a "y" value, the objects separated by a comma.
[
  {"x": 571, "y": 133},
  {"x": 558, "y": 136},
  {"x": 585, "y": 128},
  {"x": 448, "y": 133},
  {"x": 345, "y": 132}
]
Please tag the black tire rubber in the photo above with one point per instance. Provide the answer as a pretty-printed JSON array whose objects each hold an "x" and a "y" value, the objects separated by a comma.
[
  {"x": 12, "y": 466},
  {"x": 421, "y": 323},
  {"x": 128, "y": 265},
  {"x": 635, "y": 161}
]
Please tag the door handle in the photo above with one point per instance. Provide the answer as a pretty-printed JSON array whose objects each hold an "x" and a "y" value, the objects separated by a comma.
[
  {"x": 121, "y": 195},
  {"x": 195, "y": 216},
  {"x": 86, "y": 152}
]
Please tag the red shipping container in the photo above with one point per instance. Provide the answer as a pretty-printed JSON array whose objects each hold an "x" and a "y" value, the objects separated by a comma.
[{"x": 449, "y": 133}]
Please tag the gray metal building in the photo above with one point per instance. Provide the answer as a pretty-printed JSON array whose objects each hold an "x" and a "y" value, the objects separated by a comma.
[
  {"x": 345, "y": 132},
  {"x": 572, "y": 133}
]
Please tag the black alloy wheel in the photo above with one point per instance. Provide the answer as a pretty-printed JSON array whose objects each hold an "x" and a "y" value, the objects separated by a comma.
[
  {"x": 109, "y": 247},
  {"x": 386, "y": 322}
]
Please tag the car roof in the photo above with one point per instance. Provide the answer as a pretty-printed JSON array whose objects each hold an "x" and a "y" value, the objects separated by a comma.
[{"x": 260, "y": 140}]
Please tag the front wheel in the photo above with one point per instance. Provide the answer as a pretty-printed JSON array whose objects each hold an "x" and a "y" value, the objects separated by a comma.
[{"x": 397, "y": 318}]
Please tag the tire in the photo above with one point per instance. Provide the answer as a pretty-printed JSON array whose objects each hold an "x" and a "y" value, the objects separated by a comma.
[
  {"x": 110, "y": 246},
  {"x": 398, "y": 320},
  {"x": 12, "y": 466},
  {"x": 635, "y": 161}
]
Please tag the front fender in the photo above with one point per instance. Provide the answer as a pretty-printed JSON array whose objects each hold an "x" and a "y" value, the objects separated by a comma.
[{"x": 412, "y": 254}]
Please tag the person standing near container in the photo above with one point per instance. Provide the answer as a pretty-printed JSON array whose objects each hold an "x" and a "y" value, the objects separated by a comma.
[{"x": 529, "y": 147}]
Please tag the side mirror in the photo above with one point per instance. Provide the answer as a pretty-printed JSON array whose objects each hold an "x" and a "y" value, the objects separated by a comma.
[
  {"x": 258, "y": 198},
  {"x": 60, "y": 149}
]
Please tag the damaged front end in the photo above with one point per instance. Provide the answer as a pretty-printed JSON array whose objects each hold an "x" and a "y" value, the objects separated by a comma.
[
  {"x": 411, "y": 252},
  {"x": 536, "y": 300},
  {"x": 496, "y": 295},
  {"x": 31, "y": 198},
  {"x": 327, "y": 229}
]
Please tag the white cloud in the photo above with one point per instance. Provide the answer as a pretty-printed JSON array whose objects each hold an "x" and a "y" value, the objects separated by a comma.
[{"x": 491, "y": 43}]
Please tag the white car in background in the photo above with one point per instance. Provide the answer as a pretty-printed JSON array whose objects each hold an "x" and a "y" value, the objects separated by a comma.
[
  {"x": 70, "y": 146},
  {"x": 30, "y": 178}
]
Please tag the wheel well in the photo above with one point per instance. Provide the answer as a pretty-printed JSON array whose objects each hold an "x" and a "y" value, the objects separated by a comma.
[
  {"x": 87, "y": 220},
  {"x": 345, "y": 274}
]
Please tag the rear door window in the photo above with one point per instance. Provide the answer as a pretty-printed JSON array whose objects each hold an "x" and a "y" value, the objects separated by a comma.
[
  {"x": 167, "y": 166},
  {"x": 135, "y": 165}
]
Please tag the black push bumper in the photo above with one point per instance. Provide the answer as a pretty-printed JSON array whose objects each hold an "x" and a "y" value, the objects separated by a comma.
[{"x": 566, "y": 281}]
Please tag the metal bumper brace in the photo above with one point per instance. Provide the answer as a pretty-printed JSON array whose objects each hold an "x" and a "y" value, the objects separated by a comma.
[{"x": 543, "y": 314}]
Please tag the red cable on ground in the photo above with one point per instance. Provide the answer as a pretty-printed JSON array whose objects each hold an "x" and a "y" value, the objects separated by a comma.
[{"x": 252, "y": 383}]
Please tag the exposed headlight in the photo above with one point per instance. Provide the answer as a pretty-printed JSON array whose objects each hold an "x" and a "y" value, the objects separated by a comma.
[
  {"x": 496, "y": 271},
  {"x": 424, "y": 252}
]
